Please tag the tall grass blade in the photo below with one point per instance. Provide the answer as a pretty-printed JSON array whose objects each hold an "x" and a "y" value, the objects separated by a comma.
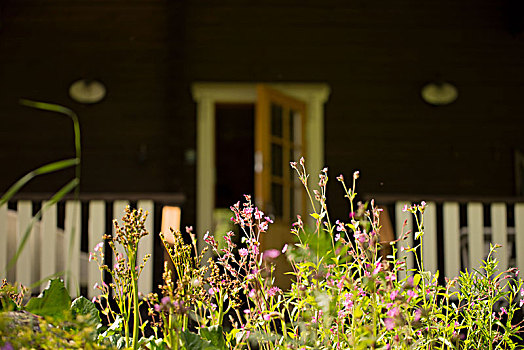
[
  {"x": 56, "y": 197},
  {"x": 44, "y": 169}
]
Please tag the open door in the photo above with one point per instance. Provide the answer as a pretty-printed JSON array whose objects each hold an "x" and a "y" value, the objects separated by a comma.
[{"x": 279, "y": 140}]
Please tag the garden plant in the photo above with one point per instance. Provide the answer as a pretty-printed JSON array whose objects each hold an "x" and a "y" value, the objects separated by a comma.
[{"x": 344, "y": 293}]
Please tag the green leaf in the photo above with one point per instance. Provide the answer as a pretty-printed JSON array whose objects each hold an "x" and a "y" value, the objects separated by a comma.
[
  {"x": 215, "y": 335},
  {"x": 416, "y": 279},
  {"x": 85, "y": 307},
  {"x": 195, "y": 341},
  {"x": 54, "y": 301}
]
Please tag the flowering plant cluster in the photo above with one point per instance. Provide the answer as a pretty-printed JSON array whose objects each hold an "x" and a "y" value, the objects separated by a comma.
[{"x": 345, "y": 292}]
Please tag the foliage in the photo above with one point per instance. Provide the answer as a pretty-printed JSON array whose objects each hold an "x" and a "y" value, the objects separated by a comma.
[
  {"x": 344, "y": 294},
  {"x": 48, "y": 321},
  {"x": 63, "y": 164}
]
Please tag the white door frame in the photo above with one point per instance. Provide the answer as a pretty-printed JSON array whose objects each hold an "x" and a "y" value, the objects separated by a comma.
[{"x": 206, "y": 95}]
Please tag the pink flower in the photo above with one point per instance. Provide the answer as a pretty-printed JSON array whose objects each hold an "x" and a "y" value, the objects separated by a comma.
[
  {"x": 284, "y": 249},
  {"x": 378, "y": 267},
  {"x": 263, "y": 226},
  {"x": 273, "y": 291},
  {"x": 267, "y": 317},
  {"x": 271, "y": 254},
  {"x": 418, "y": 314},
  {"x": 258, "y": 214},
  {"x": 389, "y": 323},
  {"x": 411, "y": 294},
  {"x": 394, "y": 312},
  {"x": 393, "y": 295},
  {"x": 243, "y": 252},
  {"x": 99, "y": 247}
]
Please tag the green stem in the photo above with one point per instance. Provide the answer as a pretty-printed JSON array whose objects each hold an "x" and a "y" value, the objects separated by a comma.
[{"x": 134, "y": 280}]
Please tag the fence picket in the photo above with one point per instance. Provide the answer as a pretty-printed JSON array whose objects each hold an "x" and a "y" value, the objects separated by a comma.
[
  {"x": 146, "y": 245},
  {"x": 429, "y": 246},
  {"x": 71, "y": 246},
  {"x": 24, "y": 264},
  {"x": 3, "y": 240},
  {"x": 519, "y": 235},
  {"x": 451, "y": 217},
  {"x": 475, "y": 235},
  {"x": 49, "y": 240},
  {"x": 96, "y": 229},
  {"x": 402, "y": 216},
  {"x": 499, "y": 234}
]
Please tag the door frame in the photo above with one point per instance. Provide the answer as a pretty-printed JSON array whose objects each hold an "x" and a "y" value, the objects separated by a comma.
[{"x": 208, "y": 94}]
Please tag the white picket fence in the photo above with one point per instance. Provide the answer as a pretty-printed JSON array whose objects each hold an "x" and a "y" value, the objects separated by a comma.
[
  {"x": 48, "y": 250},
  {"x": 465, "y": 246},
  {"x": 51, "y": 250}
]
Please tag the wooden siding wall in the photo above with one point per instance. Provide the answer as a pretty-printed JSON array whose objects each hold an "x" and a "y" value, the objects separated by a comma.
[{"x": 375, "y": 55}]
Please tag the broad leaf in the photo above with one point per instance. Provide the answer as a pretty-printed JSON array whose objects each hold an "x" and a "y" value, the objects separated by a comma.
[
  {"x": 54, "y": 301},
  {"x": 215, "y": 335},
  {"x": 85, "y": 307}
]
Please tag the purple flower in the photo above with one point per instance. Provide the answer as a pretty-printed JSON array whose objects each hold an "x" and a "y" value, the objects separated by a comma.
[
  {"x": 503, "y": 310},
  {"x": 271, "y": 254},
  {"x": 165, "y": 300}
]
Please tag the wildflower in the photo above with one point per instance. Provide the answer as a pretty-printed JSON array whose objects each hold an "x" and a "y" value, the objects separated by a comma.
[
  {"x": 503, "y": 310},
  {"x": 394, "y": 312},
  {"x": 411, "y": 294},
  {"x": 91, "y": 256},
  {"x": 389, "y": 323},
  {"x": 243, "y": 252},
  {"x": 266, "y": 317},
  {"x": 212, "y": 290},
  {"x": 356, "y": 174},
  {"x": 99, "y": 247},
  {"x": 273, "y": 291},
  {"x": 393, "y": 295},
  {"x": 378, "y": 267},
  {"x": 247, "y": 311},
  {"x": 95, "y": 286},
  {"x": 270, "y": 254},
  {"x": 521, "y": 302},
  {"x": 258, "y": 214},
  {"x": 337, "y": 237},
  {"x": 284, "y": 249},
  {"x": 391, "y": 277},
  {"x": 418, "y": 314},
  {"x": 263, "y": 226}
]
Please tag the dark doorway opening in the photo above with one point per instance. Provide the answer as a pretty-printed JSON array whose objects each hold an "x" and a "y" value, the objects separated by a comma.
[{"x": 235, "y": 148}]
